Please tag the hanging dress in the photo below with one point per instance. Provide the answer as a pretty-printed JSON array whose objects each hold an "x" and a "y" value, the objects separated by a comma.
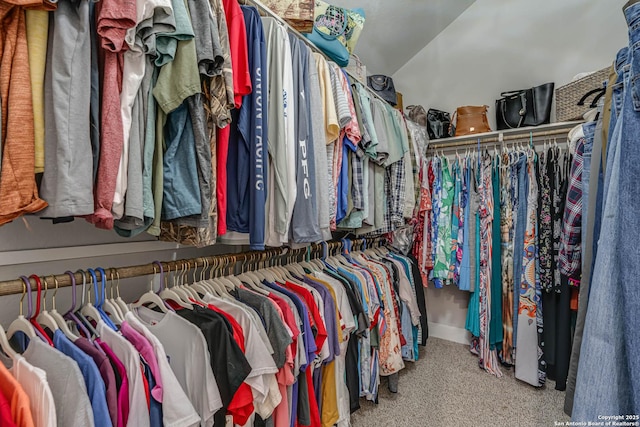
[
  {"x": 443, "y": 243},
  {"x": 456, "y": 218},
  {"x": 473, "y": 312},
  {"x": 506, "y": 234},
  {"x": 527, "y": 361},
  {"x": 488, "y": 357},
  {"x": 496, "y": 332}
]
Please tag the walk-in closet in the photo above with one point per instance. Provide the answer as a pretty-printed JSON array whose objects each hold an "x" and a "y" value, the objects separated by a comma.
[{"x": 319, "y": 213}]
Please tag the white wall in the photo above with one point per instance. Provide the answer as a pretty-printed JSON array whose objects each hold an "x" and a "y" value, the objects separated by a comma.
[{"x": 500, "y": 45}]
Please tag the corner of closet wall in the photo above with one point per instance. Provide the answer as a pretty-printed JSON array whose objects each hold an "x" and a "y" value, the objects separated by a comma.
[
  {"x": 31, "y": 245},
  {"x": 496, "y": 46},
  {"x": 478, "y": 56}
]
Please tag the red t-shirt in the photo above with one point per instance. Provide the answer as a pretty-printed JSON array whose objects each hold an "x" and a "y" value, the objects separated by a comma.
[
  {"x": 321, "y": 336},
  {"x": 239, "y": 51},
  {"x": 241, "y": 86}
]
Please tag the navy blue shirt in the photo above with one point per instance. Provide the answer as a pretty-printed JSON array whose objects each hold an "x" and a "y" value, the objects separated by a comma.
[{"x": 247, "y": 160}]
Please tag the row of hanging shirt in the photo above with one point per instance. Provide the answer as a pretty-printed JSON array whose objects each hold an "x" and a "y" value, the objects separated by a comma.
[
  {"x": 282, "y": 346},
  {"x": 190, "y": 120},
  {"x": 491, "y": 224}
]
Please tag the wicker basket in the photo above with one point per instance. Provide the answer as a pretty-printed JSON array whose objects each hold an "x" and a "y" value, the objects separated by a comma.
[
  {"x": 357, "y": 68},
  {"x": 568, "y": 96},
  {"x": 298, "y": 13}
]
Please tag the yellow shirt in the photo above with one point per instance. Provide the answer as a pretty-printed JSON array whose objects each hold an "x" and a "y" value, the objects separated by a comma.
[
  {"x": 37, "y": 33},
  {"x": 331, "y": 125}
]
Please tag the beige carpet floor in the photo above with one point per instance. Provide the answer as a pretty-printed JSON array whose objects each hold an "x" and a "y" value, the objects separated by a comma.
[{"x": 445, "y": 388}]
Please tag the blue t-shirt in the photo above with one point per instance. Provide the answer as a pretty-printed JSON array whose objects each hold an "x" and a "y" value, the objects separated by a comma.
[
  {"x": 181, "y": 189},
  {"x": 92, "y": 379}
]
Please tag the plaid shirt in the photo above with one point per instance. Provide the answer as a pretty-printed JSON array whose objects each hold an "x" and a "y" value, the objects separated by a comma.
[{"x": 570, "y": 256}]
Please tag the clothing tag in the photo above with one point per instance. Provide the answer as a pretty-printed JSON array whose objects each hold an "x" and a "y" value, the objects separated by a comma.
[{"x": 228, "y": 421}]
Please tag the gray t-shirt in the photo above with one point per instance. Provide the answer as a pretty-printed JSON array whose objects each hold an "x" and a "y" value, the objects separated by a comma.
[
  {"x": 320, "y": 148},
  {"x": 73, "y": 407},
  {"x": 277, "y": 333},
  {"x": 277, "y": 132},
  {"x": 304, "y": 223}
]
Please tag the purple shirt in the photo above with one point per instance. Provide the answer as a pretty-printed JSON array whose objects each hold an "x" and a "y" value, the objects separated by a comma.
[
  {"x": 123, "y": 393},
  {"x": 107, "y": 374},
  {"x": 330, "y": 320}
]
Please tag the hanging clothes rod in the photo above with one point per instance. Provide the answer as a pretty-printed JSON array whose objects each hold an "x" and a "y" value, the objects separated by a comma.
[
  {"x": 545, "y": 131},
  {"x": 315, "y": 250},
  {"x": 272, "y": 14}
]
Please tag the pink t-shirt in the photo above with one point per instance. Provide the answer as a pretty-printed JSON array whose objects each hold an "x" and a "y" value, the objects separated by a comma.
[
  {"x": 123, "y": 393},
  {"x": 114, "y": 18},
  {"x": 146, "y": 351}
]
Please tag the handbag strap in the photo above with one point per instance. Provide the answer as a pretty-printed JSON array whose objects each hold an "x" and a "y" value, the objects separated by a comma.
[
  {"x": 600, "y": 92},
  {"x": 522, "y": 112}
]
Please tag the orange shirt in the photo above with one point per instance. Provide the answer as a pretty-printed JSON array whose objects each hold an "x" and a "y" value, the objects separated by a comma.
[{"x": 18, "y": 191}]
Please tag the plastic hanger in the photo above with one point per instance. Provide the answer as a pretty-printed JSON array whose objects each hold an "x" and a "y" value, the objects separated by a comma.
[
  {"x": 189, "y": 287},
  {"x": 62, "y": 324},
  {"x": 124, "y": 308},
  {"x": 70, "y": 314},
  {"x": 150, "y": 297},
  {"x": 110, "y": 303},
  {"x": 177, "y": 293},
  {"x": 101, "y": 300},
  {"x": 88, "y": 310},
  {"x": 199, "y": 286},
  {"x": 98, "y": 294},
  {"x": 4, "y": 345},
  {"x": 33, "y": 318},
  {"x": 44, "y": 318},
  {"x": 21, "y": 323},
  {"x": 186, "y": 286},
  {"x": 78, "y": 315}
]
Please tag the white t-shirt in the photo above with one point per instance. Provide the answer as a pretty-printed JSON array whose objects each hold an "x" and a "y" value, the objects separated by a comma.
[
  {"x": 34, "y": 382},
  {"x": 130, "y": 358},
  {"x": 189, "y": 358},
  {"x": 262, "y": 378},
  {"x": 177, "y": 409}
]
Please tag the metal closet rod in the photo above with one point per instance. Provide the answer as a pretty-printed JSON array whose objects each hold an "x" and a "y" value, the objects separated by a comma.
[
  {"x": 315, "y": 250},
  {"x": 493, "y": 138},
  {"x": 272, "y": 14}
]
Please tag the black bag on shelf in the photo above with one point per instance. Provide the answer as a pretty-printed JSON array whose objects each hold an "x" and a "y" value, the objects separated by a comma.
[
  {"x": 439, "y": 124},
  {"x": 528, "y": 107},
  {"x": 383, "y": 86}
]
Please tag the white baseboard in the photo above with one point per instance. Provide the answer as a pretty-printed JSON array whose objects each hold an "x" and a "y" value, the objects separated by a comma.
[{"x": 449, "y": 333}]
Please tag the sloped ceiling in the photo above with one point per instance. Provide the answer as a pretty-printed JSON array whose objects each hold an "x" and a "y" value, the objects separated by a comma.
[{"x": 396, "y": 30}]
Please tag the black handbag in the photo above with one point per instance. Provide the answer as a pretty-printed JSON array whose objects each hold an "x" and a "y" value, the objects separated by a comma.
[
  {"x": 520, "y": 108},
  {"x": 383, "y": 86},
  {"x": 439, "y": 124}
]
